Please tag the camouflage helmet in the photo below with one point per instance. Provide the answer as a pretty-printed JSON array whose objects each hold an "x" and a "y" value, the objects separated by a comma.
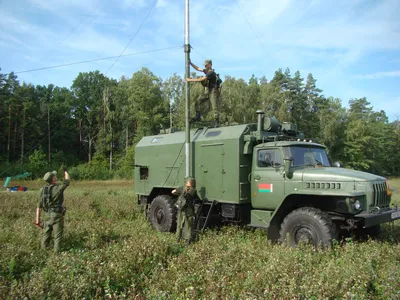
[
  {"x": 49, "y": 176},
  {"x": 207, "y": 61}
]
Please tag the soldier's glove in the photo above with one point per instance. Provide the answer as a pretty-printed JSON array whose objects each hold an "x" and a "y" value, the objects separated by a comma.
[{"x": 63, "y": 210}]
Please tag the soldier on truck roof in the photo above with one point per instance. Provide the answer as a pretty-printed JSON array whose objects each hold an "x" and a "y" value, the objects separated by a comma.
[{"x": 211, "y": 84}]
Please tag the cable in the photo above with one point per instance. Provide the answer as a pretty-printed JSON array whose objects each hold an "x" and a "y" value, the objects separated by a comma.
[
  {"x": 251, "y": 27},
  {"x": 71, "y": 31},
  {"x": 94, "y": 60},
  {"x": 137, "y": 31},
  {"x": 197, "y": 52}
]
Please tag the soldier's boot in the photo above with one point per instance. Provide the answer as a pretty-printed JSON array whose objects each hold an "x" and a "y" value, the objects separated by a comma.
[
  {"x": 216, "y": 122},
  {"x": 178, "y": 234},
  {"x": 197, "y": 117}
]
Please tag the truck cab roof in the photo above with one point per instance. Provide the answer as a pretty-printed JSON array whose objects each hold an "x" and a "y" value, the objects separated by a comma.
[{"x": 289, "y": 143}]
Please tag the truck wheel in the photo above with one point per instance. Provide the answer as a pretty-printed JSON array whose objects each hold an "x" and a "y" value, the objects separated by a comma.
[
  {"x": 163, "y": 214},
  {"x": 308, "y": 225}
]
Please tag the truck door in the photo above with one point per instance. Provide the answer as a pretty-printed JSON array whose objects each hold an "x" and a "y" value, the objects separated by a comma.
[{"x": 267, "y": 179}]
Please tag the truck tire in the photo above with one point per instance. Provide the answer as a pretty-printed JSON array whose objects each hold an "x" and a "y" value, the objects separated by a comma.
[
  {"x": 163, "y": 214},
  {"x": 309, "y": 225}
]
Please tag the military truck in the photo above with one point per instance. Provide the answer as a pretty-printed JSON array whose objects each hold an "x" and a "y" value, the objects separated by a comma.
[{"x": 265, "y": 175}]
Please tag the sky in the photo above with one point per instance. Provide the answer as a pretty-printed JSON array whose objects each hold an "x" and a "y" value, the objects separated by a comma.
[{"x": 352, "y": 47}]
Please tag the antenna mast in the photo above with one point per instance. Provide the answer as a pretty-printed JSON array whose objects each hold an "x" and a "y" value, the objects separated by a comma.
[{"x": 187, "y": 75}]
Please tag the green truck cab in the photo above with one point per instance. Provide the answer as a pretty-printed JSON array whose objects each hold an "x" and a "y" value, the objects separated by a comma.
[{"x": 264, "y": 175}]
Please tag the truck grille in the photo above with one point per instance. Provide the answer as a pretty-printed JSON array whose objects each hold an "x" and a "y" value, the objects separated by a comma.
[{"x": 381, "y": 199}]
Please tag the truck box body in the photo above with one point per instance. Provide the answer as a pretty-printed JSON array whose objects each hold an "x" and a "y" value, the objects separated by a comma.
[{"x": 219, "y": 165}]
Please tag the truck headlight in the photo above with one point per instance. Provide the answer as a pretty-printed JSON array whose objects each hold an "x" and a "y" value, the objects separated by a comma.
[{"x": 357, "y": 205}]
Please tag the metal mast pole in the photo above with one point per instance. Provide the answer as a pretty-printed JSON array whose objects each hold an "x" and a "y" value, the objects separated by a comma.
[
  {"x": 170, "y": 115},
  {"x": 187, "y": 75}
]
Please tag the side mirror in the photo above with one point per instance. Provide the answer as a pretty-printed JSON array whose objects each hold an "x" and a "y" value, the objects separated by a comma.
[
  {"x": 288, "y": 163},
  {"x": 336, "y": 164}
]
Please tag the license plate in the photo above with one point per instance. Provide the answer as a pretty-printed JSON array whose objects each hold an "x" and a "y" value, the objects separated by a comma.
[{"x": 396, "y": 215}]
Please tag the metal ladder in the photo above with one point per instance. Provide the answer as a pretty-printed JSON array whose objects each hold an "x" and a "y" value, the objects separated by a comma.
[{"x": 205, "y": 218}]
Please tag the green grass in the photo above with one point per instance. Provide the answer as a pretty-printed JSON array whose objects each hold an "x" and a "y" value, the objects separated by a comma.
[{"x": 111, "y": 251}]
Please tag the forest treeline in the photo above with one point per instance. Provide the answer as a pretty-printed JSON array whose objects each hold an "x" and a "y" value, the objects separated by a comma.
[{"x": 92, "y": 127}]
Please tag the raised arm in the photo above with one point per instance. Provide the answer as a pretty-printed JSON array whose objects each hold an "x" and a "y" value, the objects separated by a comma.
[
  {"x": 59, "y": 188},
  {"x": 196, "y": 67},
  {"x": 200, "y": 79}
]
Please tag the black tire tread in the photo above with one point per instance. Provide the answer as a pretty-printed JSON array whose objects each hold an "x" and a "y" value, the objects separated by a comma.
[
  {"x": 322, "y": 217},
  {"x": 170, "y": 213}
]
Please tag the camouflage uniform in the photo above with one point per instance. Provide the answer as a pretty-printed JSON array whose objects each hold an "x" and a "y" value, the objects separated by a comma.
[
  {"x": 211, "y": 93},
  {"x": 186, "y": 214},
  {"x": 51, "y": 200}
]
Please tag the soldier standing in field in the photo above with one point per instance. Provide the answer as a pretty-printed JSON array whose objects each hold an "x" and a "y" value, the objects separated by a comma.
[
  {"x": 51, "y": 201},
  {"x": 185, "y": 206},
  {"x": 211, "y": 86}
]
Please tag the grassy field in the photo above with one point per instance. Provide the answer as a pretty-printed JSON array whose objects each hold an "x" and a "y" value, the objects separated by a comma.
[{"x": 110, "y": 251}]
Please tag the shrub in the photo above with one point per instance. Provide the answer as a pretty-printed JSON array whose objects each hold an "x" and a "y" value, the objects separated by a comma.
[
  {"x": 97, "y": 169},
  {"x": 37, "y": 163},
  {"x": 110, "y": 251}
]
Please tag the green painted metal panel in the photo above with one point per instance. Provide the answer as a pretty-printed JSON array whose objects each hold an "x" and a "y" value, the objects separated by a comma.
[
  {"x": 219, "y": 165},
  {"x": 261, "y": 218}
]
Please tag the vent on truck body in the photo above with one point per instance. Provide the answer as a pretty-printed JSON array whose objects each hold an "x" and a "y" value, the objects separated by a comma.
[{"x": 324, "y": 185}]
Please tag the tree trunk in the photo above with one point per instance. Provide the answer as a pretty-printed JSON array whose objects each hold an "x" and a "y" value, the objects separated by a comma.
[
  {"x": 48, "y": 134},
  {"x": 15, "y": 138},
  {"x": 90, "y": 148},
  {"x": 105, "y": 103},
  {"x": 111, "y": 146},
  {"x": 126, "y": 139},
  {"x": 9, "y": 133},
  {"x": 80, "y": 133},
  {"x": 22, "y": 135}
]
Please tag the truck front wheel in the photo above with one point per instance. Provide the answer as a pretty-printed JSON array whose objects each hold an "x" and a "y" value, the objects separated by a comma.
[
  {"x": 163, "y": 213},
  {"x": 307, "y": 225}
]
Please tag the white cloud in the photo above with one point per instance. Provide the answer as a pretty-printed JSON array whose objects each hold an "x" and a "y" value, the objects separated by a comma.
[
  {"x": 380, "y": 75},
  {"x": 60, "y": 7},
  {"x": 130, "y": 4},
  {"x": 161, "y": 3},
  {"x": 390, "y": 106},
  {"x": 21, "y": 32},
  {"x": 95, "y": 42}
]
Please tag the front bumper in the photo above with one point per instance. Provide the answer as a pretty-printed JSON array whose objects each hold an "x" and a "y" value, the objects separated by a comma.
[{"x": 372, "y": 219}]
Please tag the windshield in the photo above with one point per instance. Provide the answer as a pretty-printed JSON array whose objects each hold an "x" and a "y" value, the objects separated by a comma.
[{"x": 307, "y": 156}]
